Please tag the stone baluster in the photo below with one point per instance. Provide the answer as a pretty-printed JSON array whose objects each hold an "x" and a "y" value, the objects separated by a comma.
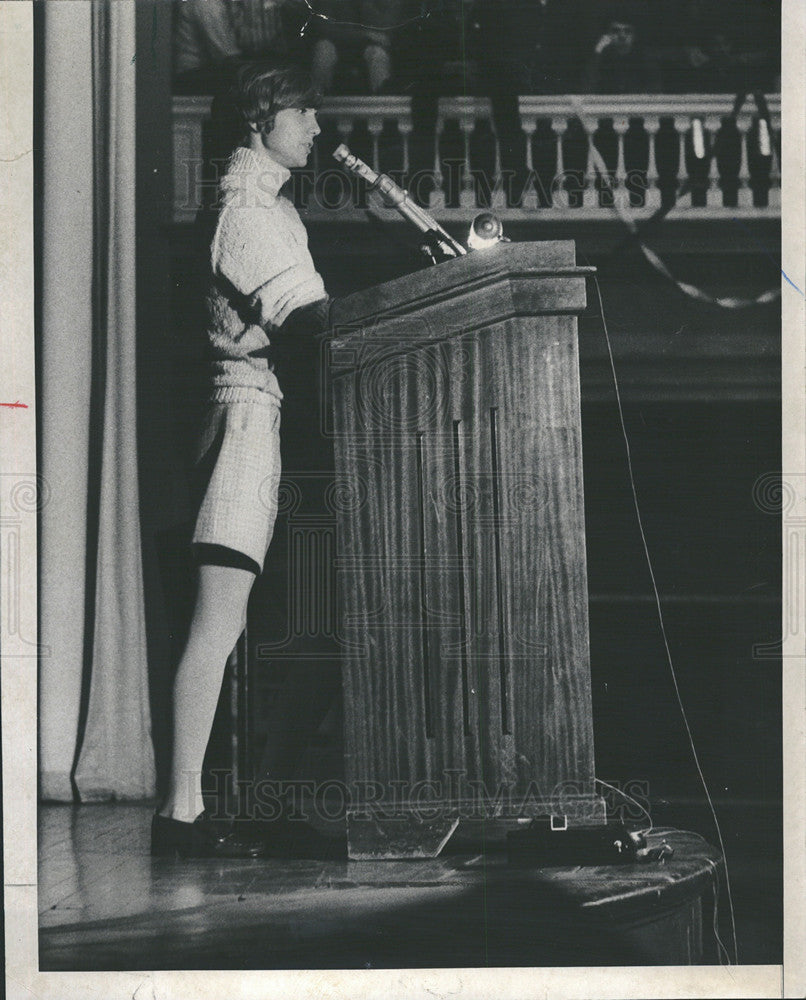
[
  {"x": 375, "y": 127},
  {"x": 682, "y": 125},
  {"x": 559, "y": 194},
  {"x": 652, "y": 198},
  {"x": 590, "y": 197},
  {"x": 529, "y": 127},
  {"x": 713, "y": 196}
]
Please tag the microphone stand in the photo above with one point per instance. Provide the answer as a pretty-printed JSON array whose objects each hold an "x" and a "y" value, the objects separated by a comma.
[{"x": 439, "y": 244}]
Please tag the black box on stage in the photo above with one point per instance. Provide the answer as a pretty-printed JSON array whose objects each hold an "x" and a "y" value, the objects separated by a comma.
[{"x": 541, "y": 844}]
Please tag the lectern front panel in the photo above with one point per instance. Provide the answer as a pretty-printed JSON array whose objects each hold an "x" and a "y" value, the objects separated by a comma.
[{"x": 461, "y": 557}]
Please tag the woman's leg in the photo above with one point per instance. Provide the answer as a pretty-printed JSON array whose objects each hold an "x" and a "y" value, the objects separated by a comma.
[{"x": 218, "y": 619}]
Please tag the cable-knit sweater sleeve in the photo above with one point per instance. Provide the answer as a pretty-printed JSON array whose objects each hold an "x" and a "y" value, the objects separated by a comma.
[{"x": 263, "y": 252}]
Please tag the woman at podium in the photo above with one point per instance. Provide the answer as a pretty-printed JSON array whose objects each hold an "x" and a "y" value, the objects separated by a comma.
[{"x": 261, "y": 278}]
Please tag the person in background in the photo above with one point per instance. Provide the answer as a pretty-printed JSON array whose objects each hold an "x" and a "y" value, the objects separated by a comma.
[
  {"x": 732, "y": 64},
  {"x": 529, "y": 46},
  {"x": 429, "y": 56},
  {"x": 703, "y": 51},
  {"x": 356, "y": 32},
  {"x": 620, "y": 63},
  {"x": 682, "y": 51},
  {"x": 212, "y": 35},
  {"x": 526, "y": 47}
]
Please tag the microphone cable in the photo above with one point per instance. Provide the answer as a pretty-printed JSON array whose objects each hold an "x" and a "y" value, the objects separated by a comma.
[{"x": 661, "y": 620}]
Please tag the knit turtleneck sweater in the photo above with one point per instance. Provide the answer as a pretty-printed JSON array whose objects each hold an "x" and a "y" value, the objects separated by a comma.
[{"x": 262, "y": 271}]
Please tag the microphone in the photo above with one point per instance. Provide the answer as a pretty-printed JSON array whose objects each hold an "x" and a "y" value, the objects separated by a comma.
[{"x": 395, "y": 197}]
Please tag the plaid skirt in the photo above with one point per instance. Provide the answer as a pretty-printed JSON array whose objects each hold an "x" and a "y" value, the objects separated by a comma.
[{"x": 237, "y": 476}]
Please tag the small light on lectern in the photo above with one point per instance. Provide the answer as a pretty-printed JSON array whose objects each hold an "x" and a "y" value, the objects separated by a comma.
[{"x": 485, "y": 231}]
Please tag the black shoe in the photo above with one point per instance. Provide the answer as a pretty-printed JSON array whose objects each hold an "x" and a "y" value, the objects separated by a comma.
[
  {"x": 203, "y": 838},
  {"x": 297, "y": 839}
]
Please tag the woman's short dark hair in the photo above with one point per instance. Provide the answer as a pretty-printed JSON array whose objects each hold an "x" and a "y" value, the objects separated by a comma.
[{"x": 258, "y": 92}]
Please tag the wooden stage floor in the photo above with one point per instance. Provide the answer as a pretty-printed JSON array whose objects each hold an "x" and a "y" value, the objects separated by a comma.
[{"x": 106, "y": 904}]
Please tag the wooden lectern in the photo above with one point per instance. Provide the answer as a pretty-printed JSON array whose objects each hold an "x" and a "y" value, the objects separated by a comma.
[{"x": 461, "y": 549}]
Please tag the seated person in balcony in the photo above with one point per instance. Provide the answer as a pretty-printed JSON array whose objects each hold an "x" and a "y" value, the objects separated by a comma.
[
  {"x": 212, "y": 35},
  {"x": 733, "y": 70},
  {"x": 526, "y": 47},
  {"x": 731, "y": 65},
  {"x": 682, "y": 54},
  {"x": 434, "y": 53},
  {"x": 619, "y": 63},
  {"x": 428, "y": 60},
  {"x": 705, "y": 52},
  {"x": 529, "y": 46},
  {"x": 356, "y": 30}
]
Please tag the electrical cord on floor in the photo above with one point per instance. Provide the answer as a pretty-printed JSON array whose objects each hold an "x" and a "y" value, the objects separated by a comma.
[
  {"x": 662, "y": 622},
  {"x": 723, "y": 951}
]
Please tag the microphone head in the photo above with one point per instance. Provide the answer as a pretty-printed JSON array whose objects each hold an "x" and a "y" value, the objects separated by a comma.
[{"x": 341, "y": 153}]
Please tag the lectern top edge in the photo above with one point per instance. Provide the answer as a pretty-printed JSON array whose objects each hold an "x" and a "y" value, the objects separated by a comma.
[{"x": 522, "y": 259}]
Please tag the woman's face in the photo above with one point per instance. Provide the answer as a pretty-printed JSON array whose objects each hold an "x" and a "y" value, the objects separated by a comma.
[{"x": 291, "y": 140}]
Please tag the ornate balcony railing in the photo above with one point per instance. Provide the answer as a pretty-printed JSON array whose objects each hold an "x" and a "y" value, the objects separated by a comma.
[{"x": 695, "y": 154}]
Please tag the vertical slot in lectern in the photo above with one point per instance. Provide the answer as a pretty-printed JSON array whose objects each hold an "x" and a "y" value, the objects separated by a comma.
[{"x": 461, "y": 549}]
